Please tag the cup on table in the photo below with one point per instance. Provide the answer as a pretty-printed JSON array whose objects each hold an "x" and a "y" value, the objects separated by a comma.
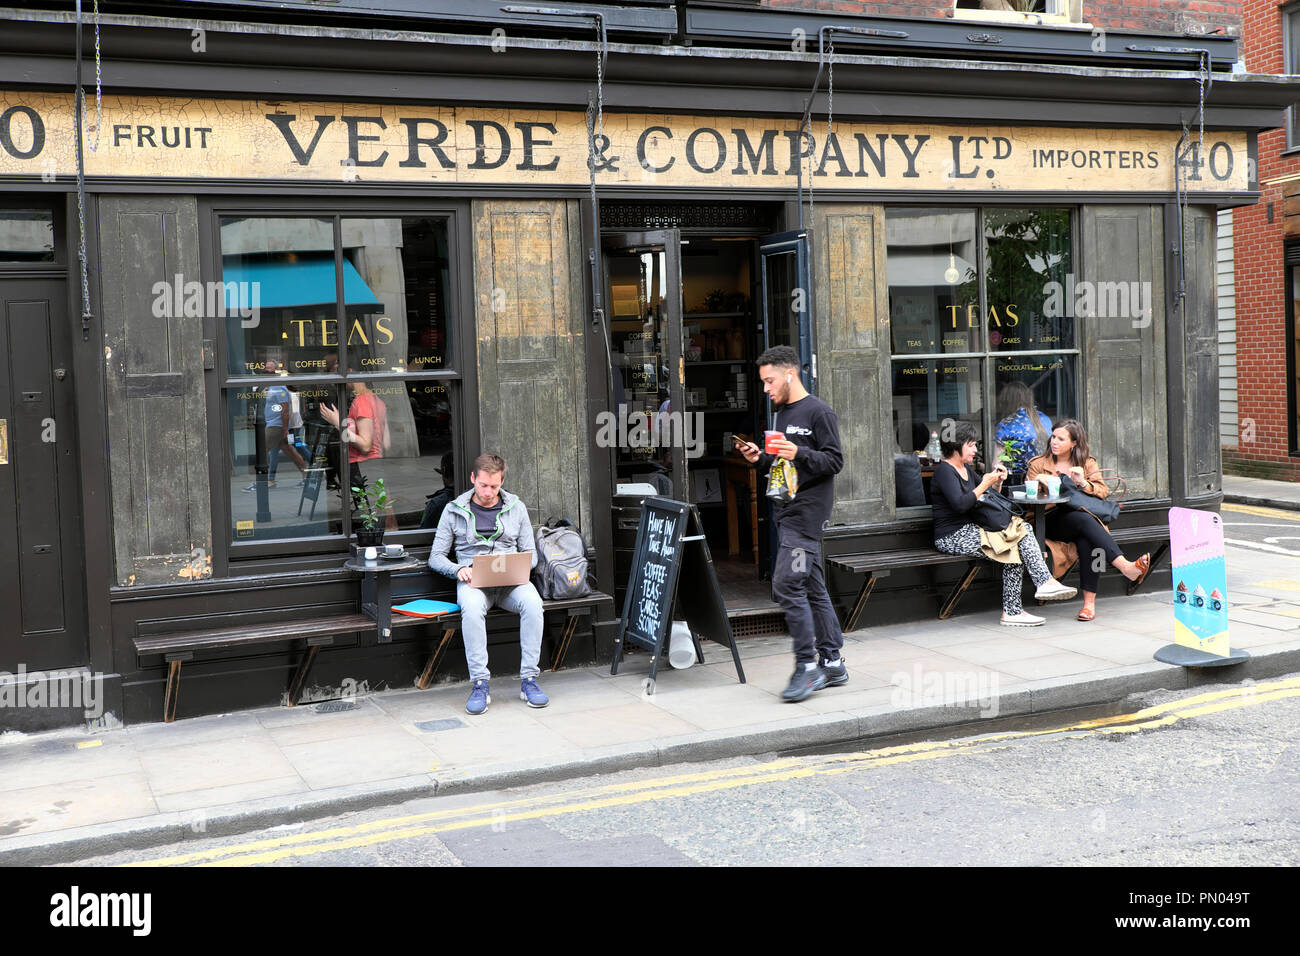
[
  {"x": 392, "y": 550},
  {"x": 1053, "y": 484},
  {"x": 371, "y": 553},
  {"x": 768, "y": 441},
  {"x": 1031, "y": 487}
]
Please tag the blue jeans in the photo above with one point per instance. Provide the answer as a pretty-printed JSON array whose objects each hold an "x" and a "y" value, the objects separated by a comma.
[
  {"x": 799, "y": 586},
  {"x": 522, "y": 600}
]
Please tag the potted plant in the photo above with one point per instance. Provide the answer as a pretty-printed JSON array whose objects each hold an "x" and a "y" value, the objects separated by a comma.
[{"x": 370, "y": 504}]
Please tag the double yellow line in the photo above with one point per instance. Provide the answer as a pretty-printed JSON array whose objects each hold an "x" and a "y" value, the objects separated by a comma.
[{"x": 501, "y": 813}]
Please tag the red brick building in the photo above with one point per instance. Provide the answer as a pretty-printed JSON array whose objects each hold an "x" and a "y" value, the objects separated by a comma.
[
  {"x": 1171, "y": 16},
  {"x": 1267, "y": 442}
]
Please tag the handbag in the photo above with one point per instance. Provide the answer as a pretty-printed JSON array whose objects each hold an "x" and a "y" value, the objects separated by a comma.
[
  {"x": 993, "y": 511},
  {"x": 1103, "y": 509}
]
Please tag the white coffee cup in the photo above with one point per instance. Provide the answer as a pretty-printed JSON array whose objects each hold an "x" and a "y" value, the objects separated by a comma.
[
  {"x": 392, "y": 550},
  {"x": 1053, "y": 483},
  {"x": 1031, "y": 487},
  {"x": 371, "y": 553}
]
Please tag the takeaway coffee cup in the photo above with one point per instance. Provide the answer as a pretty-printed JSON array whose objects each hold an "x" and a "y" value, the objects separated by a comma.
[
  {"x": 769, "y": 438},
  {"x": 1053, "y": 484},
  {"x": 1031, "y": 487}
]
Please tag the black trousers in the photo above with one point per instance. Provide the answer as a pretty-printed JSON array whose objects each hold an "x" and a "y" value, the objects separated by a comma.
[
  {"x": 799, "y": 586},
  {"x": 1090, "y": 537}
]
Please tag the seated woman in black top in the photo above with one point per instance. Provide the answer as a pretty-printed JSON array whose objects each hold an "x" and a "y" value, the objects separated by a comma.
[{"x": 953, "y": 492}]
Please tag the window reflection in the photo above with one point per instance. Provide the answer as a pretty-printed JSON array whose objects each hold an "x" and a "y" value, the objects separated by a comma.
[
  {"x": 404, "y": 263},
  {"x": 26, "y": 236},
  {"x": 1027, "y": 280},
  {"x": 933, "y": 287}
]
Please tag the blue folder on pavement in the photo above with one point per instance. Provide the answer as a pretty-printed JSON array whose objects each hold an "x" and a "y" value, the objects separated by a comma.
[{"x": 426, "y": 608}]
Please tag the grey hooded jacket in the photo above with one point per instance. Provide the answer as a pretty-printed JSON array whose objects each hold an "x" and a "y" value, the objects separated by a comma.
[{"x": 456, "y": 530}]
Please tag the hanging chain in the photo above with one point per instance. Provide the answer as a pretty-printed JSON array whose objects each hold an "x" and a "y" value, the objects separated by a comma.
[
  {"x": 830, "y": 90},
  {"x": 99, "y": 87}
]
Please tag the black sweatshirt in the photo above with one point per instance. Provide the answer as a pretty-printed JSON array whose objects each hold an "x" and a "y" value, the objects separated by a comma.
[
  {"x": 952, "y": 498},
  {"x": 811, "y": 425}
]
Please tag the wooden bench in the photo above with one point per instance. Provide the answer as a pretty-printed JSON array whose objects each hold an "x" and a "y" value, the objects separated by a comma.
[
  {"x": 879, "y": 564},
  {"x": 180, "y": 646}
]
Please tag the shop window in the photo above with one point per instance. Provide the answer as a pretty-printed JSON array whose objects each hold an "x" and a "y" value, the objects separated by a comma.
[
  {"x": 335, "y": 319},
  {"x": 1291, "y": 64},
  {"x": 980, "y": 332},
  {"x": 1040, "y": 11},
  {"x": 26, "y": 236}
]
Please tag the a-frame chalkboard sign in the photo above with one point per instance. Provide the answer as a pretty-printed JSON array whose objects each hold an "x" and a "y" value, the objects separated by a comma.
[{"x": 670, "y": 548}]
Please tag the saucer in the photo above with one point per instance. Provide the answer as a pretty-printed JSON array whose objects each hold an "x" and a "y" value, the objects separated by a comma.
[{"x": 395, "y": 557}]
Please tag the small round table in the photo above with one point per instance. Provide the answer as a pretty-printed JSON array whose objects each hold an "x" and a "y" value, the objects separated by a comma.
[
  {"x": 1040, "y": 514},
  {"x": 377, "y": 588}
]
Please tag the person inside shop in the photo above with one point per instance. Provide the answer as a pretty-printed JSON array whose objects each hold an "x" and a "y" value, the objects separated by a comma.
[
  {"x": 278, "y": 415},
  {"x": 1079, "y": 535},
  {"x": 801, "y": 485},
  {"x": 435, "y": 503},
  {"x": 954, "y": 490},
  {"x": 487, "y": 519},
  {"x": 909, "y": 483},
  {"x": 1022, "y": 430},
  {"x": 365, "y": 432}
]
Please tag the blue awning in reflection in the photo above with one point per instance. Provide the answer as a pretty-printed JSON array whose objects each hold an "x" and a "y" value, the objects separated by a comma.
[{"x": 294, "y": 281}]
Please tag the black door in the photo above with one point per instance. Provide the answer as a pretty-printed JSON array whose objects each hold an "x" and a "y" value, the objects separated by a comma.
[
  {"x": 787, "y": 300},
  {"x": 42, "y": 624}
]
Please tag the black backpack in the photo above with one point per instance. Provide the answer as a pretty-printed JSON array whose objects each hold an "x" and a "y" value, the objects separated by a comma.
[{"x": 562, "y": 561}]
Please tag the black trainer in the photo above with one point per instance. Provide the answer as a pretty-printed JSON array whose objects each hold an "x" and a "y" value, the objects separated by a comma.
[
  {"x": 802, "y": 684},
  {"x": 835, "y": 671}
]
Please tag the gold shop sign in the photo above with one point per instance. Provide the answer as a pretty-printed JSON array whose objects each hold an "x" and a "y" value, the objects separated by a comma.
[{"x": 261, "y": 140}]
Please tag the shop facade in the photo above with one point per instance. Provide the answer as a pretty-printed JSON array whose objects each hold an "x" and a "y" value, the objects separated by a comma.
[{"x": 275, "y": 229}]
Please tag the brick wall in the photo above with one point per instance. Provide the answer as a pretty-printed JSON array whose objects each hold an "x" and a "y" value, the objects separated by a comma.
[
  {"x": 1172, "y": 16},
  {"x": 1261, "y": 295}
]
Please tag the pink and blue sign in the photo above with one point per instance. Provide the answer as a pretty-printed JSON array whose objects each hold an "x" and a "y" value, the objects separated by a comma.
[{"x": 1200, "y": 580}]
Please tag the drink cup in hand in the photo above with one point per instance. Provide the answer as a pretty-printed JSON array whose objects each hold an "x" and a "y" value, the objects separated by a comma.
[{"x": 770, "y": 439}]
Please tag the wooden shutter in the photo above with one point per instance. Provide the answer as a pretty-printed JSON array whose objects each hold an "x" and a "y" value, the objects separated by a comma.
[
  {"x": 157, "y": 412},
  {"x": 1123, "y": 361},
  {"x": 531, "y": 363},
  {"x": 1197, "y": 353},
  {"x": 851, "y": 342}
]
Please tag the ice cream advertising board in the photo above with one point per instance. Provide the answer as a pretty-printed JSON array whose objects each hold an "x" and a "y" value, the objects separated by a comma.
[{"x": 1200, "y": 580}]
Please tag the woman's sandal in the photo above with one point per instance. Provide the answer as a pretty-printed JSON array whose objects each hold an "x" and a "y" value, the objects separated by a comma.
[
  {"x": 1087, "y": 613},
  {"x": 1143, "y": 565}
]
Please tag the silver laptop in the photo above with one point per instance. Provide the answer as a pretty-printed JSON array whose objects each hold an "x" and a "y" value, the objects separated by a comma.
[{"x": 501, "y": 570}]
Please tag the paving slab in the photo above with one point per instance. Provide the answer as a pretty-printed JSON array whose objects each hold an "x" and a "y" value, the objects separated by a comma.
[{"x": 68, "y": 794}]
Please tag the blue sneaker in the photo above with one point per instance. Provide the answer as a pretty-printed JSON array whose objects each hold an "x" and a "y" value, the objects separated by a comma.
[
  {"x": 529, "y": 691},
  {"x": 479, "y": 698}
]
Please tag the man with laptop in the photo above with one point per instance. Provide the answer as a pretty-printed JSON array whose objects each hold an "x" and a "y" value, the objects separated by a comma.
[{"x": 493, "y": 540}]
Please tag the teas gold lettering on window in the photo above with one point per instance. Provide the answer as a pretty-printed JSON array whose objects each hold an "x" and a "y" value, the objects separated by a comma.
[{"x": 379, "y": 333}]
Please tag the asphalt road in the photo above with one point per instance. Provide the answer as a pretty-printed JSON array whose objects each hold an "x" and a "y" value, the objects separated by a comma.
[
  {"x": 1203, "y": 777},
  {"x": 1265, "y": 530}
]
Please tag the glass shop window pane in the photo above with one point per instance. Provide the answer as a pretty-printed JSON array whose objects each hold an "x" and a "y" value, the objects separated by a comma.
[
  {"x": 1030, "y": 290},
  {"x": 399, "y": 322},
  {"x": 409, "y": 426},
  {"x": 933, "y": 285},
  {"x": 1034, "y": 393},
  {"x": 278, "y": 296},
  {"x": 26, "y": 236},
  {"x": 283, "y": 475},
  {"x": 925, "y": 394}
]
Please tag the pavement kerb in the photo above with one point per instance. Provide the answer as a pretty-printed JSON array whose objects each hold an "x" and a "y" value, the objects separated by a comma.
[
  {"x": 813, "y": 730},
  {"x": 1281, "y": 503}
]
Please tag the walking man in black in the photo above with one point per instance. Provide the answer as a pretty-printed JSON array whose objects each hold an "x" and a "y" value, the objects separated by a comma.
[{"x": 810, "y": 448}]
